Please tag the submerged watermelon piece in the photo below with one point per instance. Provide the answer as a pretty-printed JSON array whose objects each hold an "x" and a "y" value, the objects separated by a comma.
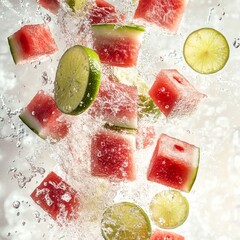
[
  {"x": 31, "y": 43},
  {"x": 112, "y": 155},
  {"x": 57, "y": 198},
  {"x": 51, "y": 5},
  {"x": 118, "y": 45},
  {"x": 164, "y": 13},
  {"x": 104, "y": 12},
  {"x": 43, "y": 117},
  {"x": 162, "y": 235},
  {"x": 145, "y": 136},
  {"x": 116, "y": 103},
  {"x": 173, "y": 94},
  {"x": 174, "y": 163}
]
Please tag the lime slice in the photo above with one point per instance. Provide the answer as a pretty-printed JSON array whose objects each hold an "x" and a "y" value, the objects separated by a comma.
[
  {"x": 169, "y": 209},
  {"x": 125, "y": 221},
  {"x": 76, "y": 5},
  {"x": 77, "y": 80},
  {"x": 206, "y": 50}
]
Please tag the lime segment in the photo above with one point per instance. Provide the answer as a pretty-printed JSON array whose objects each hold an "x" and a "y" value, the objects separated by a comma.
[
  {"x": 76, "y": 4},
  {"x": 77, "y": 80},
  {"x": 206, "y": 50},
  {"x": 169, "y": 209},
  {"x": 125, "y": 221}
]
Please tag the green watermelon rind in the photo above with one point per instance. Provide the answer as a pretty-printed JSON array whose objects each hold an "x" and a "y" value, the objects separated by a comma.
[
  {"x": 188, "y": 186},
  {"x": 120, "y": 128},
  {"x": 32, "y": 123},
  {"x": 93, "y": 84},
  {"x": 110, "y": 30},
  {"x": 13, "y": 49}
]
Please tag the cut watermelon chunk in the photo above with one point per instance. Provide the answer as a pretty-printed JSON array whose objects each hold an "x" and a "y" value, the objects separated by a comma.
[
  {"x": 164, "y": 13},
  {"x": 173, "y": 94},
  {"x": 57, "y": 198},
  {"x": 43, "y": 117},
  {"x": 31, "y": 43},
  {"x": 104, "y": 12},
  {"x": 174, "y": 163},
  {"x": 116, "y": 103},
  {"x": 118, "y": 45},
  {"x": 112, "y": 155},
  {"x": 51, "y": 5},
  {"x": 162, "y": 235}
]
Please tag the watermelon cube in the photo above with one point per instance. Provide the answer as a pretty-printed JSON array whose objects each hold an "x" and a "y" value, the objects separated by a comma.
[
  {"x": 117, "y": 45},
  {"x": 57, "y": 198},
  {"x": 173, "y": 94},
  {"x": 112, "y": 155},
  {"x": 51, "y": 5},
  {"x": 116, "y": 103},
  {"x": 163, "y": 13},
  {"x": 162, "y": 235},
  {"x": 43, "y": 117},
  {"x": 174, "y": 163},
  {"x": 31, "y": 43},
  {"x": 104, "y": 12}
]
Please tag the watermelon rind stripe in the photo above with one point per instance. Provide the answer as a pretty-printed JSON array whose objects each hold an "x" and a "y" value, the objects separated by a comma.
[
  {"x": 13, "y": 49},
  {"x": 120, "y": 129},
  {"x": 193, "y": 176},
  {"x": 118, "y": 31},
  {"x": 32, "y": 123},
  {"x": 120, "y": 27}
]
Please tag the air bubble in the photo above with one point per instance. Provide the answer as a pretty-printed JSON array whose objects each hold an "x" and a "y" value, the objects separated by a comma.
[{"x": 16, "y": 204}]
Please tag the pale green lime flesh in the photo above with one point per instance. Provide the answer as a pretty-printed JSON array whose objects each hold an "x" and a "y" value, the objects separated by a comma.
[
  {"x": 76, "y": 4},
  {"x": 169, "y": 209},
  {"x": 77, "y": 80},
  {"x": 125, "y": 221},
  {"x": 206, "y": 50}
]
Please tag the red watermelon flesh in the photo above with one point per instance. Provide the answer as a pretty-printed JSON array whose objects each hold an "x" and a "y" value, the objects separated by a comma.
[
  {"x": 162, "y": 235},
  {"x": 117, "y": 45},
  {"x": 112, "y": 155},
  {"x": 51, "y": 5},
  {"x": 43, "y": 117},
  {"x": 31, "y": 43},
  {"x": 173, "y": 94},
  {"x": 164, "y": 13},
  {"x": 116, "y": 103},
  {"x": 57, "y": 198},
  {"x": 104, "y": 12},
  {"x": 174, "y": 163}
]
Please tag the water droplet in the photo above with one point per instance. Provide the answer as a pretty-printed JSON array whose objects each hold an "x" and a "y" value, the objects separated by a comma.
[
  {"x": 45, "y": 78},
  {"x": 236, "y": 42},
  {"x": 16, "y": 204},
  {"x": 47, "y": 18}
]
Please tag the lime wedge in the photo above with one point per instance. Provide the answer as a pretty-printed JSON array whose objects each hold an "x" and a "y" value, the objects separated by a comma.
[
  {"x": 169, "y": 209},
  {"x": 77, "y": 80},
  {"x": 206, "y": 50},
  {"x": 125, "y": 221},
  {"x": 76, "y": 5}
]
